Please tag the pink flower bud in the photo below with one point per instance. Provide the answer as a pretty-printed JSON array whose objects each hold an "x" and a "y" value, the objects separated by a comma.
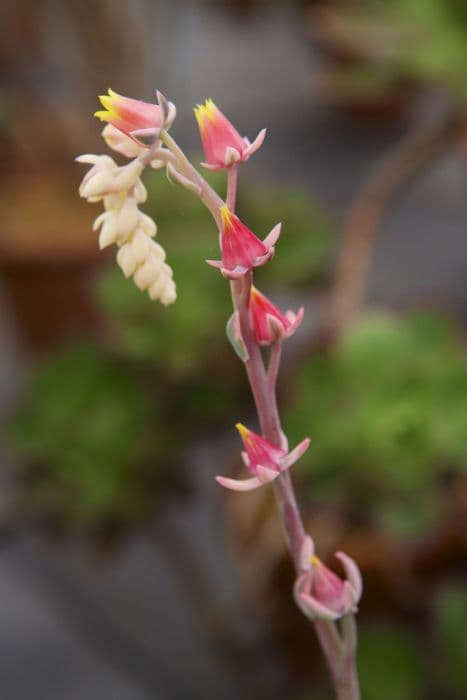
[
  {"x": 270, "y": 324},
  {"x": 223, "y": 146},
  {"x": 134, "y": 118},
  {"x": 319, "y": 592},
  {"x": 264, "y": 460},
  {"x": 241, "y": 249}
]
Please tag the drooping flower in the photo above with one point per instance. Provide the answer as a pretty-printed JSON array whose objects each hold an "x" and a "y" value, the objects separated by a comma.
[
  {"x": 319, "y": 592},
  {"x": 241, "y": 249},
  {"x": 222, "y": 144},
  {"x": 264, "y": 460},
  {"x": 270, "y": 324},
  {"x": 135, "y": 118}
]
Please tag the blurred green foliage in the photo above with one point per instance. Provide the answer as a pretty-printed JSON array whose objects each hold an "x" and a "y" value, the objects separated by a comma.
[
  {"x": 387, "y": 414},
  {"x": 389, "y": 664},
  {"x": 408, "y": 41},
  {"x": 450, "y": 628},
  {"x": 395, "y": 662},
  {"x": 190, "y": 333},
  {"x": 90, "y": 429}
]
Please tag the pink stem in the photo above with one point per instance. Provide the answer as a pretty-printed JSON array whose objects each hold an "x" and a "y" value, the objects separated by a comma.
[
  {"x": 340, "y": 656},
  {"x": 232, "y": 187},
  {"x": 274, "y": 364}
]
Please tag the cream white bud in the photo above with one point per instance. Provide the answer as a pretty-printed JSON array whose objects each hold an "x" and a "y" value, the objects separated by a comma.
[
  {"x": 126, "y": 260},
  {"x": 127, "y": 175},
  {"x": 120, "y": 142},
  {"x": 127, "y": 218},
  {"x": 146, "y": 274},
  {"x": 147, "y": 224},
  {"x": 98, "y": 185},
  {"x": 109, "y": 231},
  {"x": 141, "y": 246},
  {"x": 158, "y": 251},
  {"x": 114, "y": 200},
  {"x": 141, "y": 192},
  {"x": 157, "y": 287},
  {"x": 169, "y": 295}
]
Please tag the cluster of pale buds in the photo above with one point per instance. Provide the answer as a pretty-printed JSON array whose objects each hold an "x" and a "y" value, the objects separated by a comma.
[
  {"x": 123, "y": 224},
  {"x": 132, "y": 130}
]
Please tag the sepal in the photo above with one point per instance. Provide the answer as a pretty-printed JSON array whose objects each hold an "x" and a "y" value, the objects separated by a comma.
[{"x": 234, "y": 334}]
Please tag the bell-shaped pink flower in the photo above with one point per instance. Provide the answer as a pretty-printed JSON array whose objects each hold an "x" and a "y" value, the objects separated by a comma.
[
  {"x": 319, "y": 592},
  {"x": 264, "y": 460},
  {"x": 135, "y": 118},
  {"x": 270, "y": 324},
  {"x": 222, "y": 144},
  {"x": 241, "y": 249}
]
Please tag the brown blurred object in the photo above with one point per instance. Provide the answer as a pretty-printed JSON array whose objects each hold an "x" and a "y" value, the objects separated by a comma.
[
  {"x": 50, "y": 86},
  {"x": 48, "y": 253},
  {"x": 48, "y": 90},
  {"x": 331, "y": 36}
]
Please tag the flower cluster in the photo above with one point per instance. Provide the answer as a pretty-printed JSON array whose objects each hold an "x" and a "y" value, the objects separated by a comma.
[{"x": 121, "y": 191}]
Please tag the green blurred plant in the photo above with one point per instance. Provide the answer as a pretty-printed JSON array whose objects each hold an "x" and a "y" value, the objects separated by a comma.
[
  {"x": 388, "y": 413},
  {"x": 450, "y": 624},
  {"x": 393, "y": 42},
  {"x": 394, "y": 662},
  {"x": 389, "y": 663},
  {"x": 91, "y": 437}
]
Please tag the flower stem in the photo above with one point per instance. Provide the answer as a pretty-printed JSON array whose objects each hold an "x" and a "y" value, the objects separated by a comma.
[
  {"x": 338, "y": 651},
  {"x": 208, "y": 196}
]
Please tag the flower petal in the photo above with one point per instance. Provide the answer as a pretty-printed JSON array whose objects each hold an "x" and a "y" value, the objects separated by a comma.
[
  {"x": 352, "y": 574},
  {"x": 296, "y": 453},
  {"x": 273, "y": 235},
  {"x": 239, "y": 484}
]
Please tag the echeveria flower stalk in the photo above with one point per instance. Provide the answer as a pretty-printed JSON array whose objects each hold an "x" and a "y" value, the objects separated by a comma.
[
  {"x": 270, "y": 324},
  {"x": 222, "y": 144},
  {"x": 241, "y": 249},
  {"x": 320, "y": 593},
  {"x": 264, "y": 460}
]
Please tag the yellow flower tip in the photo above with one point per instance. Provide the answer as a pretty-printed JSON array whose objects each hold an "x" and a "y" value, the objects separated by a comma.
[
  {"x": 103, "y": 115},
  {"x": 205, "y": 112},
  {"x": 254, "y": 292},
  {"x": 314, "y": 561},
  {"x": 110, "y": 104},
  {"x": 226, "y": 216},
  {"x": 243, "y": 430},
  {"x": 198, "y": 110}
]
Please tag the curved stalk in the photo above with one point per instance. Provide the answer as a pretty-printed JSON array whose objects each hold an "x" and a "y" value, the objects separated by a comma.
[{"x": 339, "y": 654}]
